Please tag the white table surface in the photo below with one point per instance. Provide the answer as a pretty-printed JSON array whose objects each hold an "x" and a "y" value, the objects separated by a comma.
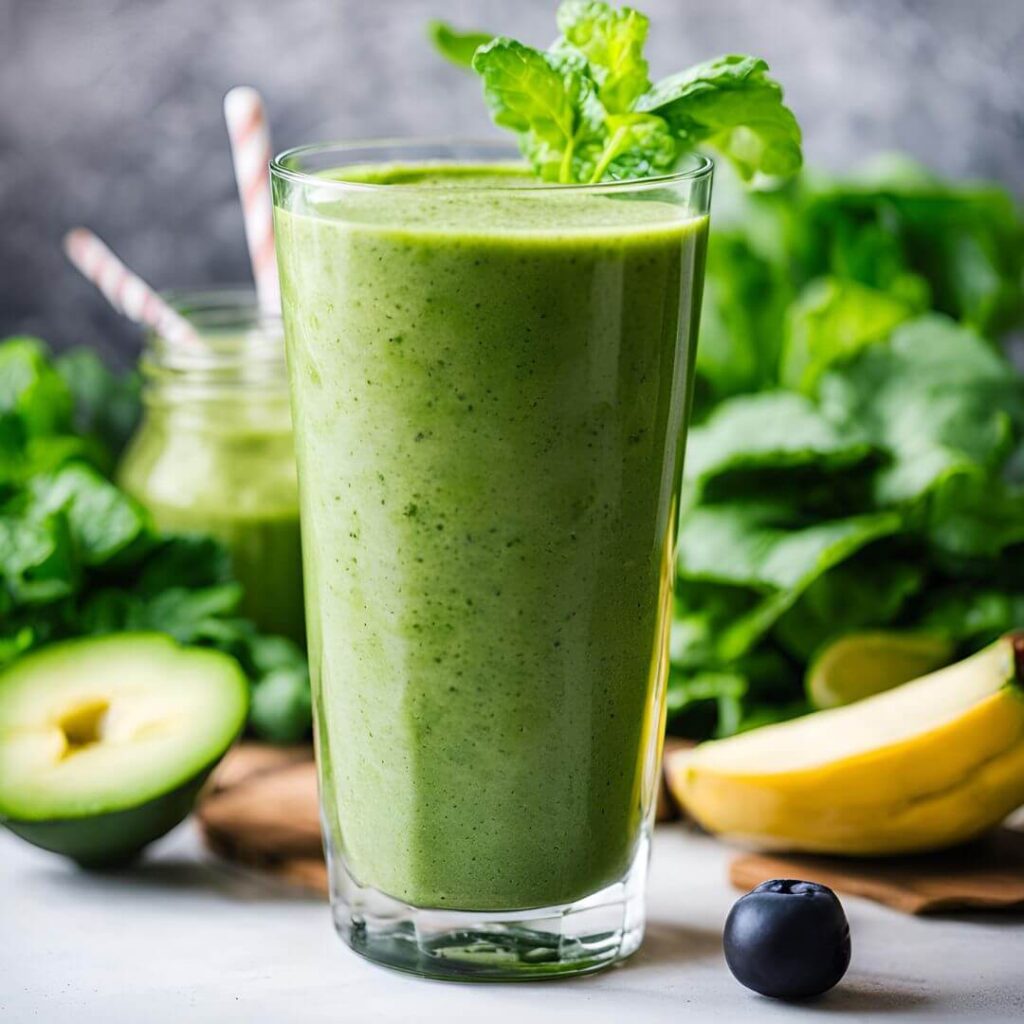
[{"x": 182, "y": 937}]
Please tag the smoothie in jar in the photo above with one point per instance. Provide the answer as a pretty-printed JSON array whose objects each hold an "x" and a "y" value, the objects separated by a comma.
[
  {"x": 490, "y": 382},
  {"x": 214, "y": 453}
]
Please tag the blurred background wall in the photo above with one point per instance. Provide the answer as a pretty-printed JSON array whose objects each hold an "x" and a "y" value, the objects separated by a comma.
[{"x": 110, "y": 110}]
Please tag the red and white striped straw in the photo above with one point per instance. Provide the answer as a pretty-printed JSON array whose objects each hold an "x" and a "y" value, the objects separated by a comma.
[
  {"x": 124, "y": 290},
  {"x": 250, "y": 150}
]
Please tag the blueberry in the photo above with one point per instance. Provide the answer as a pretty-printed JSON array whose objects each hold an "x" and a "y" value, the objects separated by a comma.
[{"x": 788, "y": 939}]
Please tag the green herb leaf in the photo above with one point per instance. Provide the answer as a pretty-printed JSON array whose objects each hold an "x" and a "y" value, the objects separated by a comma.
[
  {"x": 726, "y": 689},
  {"x": 868, "y": 590},
  {"x": 762, "y": 546},
  {"x": 455, "y": 46},
  {"x": 104, "y": 521},
  {"x": 106, "y": 406},
  {"x": 973, "y": 615},
  {"x": 282, "y": 705},
  {"x": 895, "y": 219},
  {"x": 774, "y": 430},
  {"x": 731, "y": 105},
  {"x": 742, "y": 315},
  {"x": 31, "y": 389},
  {"x": 937, "y": 397},
  {"x": 612, "y": 41},
  {"x": 974, "y": 517},
  {"x": 37, "y": 564},
  {"x": 831, "y": 320},
  {"x": 189, "y": 560},
  {"x": 548, "y": 99},
  {"x": 638, "y": 146},
  {"x": 585, "y": 111}
]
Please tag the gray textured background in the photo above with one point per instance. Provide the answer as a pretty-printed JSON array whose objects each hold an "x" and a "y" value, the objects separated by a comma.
[{"x": 110, "y": 110}]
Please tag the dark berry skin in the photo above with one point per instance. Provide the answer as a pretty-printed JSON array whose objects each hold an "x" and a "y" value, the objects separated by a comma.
[{"x": 788, "y": 939}]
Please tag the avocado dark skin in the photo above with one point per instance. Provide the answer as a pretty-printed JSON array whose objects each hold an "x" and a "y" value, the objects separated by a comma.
[{"x": 107, "y": 841}]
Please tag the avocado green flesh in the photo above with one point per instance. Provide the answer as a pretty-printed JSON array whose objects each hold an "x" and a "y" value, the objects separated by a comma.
[{"x": 104, "y": 743}]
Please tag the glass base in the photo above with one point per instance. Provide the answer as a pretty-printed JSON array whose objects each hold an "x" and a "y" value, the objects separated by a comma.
[{"x": 523, "y": 945}]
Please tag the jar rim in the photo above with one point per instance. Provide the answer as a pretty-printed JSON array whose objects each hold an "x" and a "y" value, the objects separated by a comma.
[{"x": 236, "y": 338}]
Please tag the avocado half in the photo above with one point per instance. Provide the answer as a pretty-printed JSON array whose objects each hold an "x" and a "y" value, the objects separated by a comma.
[{"x": 105, "y": 742}]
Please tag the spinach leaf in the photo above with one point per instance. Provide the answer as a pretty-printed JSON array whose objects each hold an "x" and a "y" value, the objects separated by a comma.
[
  {"x": 585, "y": 111},
  {"x": 455, "y": 46},
  {"x": 37, "y": 562},
  {"x": 103, "y": 520},
  {"x": 972, "y": 615},
  {"x": 772, "y": 430},
  {"x": 106, "y": 405},
  {"x": 31, "y": 389},
  {"x": 831, "y": 320},
  {"x": 761, "y": 546},
  {"x": 612, "y": 41},
  {"x": 548, "y": 100},
  {"x": 742, "y": 315},
  {"x": 869, "y": 590},
  {"x": 733, "y": 106},
  {"x": 938, "y": 398}
]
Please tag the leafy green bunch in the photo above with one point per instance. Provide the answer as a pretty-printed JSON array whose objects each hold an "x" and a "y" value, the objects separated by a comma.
[
  {"x": 585, "y": 110},
  {"x": 857, "y": 458},
  {"x": 79, "y": 557}
]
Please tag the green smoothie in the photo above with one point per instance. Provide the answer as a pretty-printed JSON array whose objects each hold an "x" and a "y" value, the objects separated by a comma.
[{"x": 489, "y": 393}]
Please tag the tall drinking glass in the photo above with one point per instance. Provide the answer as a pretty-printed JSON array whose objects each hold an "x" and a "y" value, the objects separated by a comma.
[{"x": 490, "y": 384}]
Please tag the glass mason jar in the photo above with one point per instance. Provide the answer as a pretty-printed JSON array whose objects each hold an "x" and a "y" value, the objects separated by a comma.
[
  {"x": 214, "y": 452},
  {"x": 491, "y": 379}
]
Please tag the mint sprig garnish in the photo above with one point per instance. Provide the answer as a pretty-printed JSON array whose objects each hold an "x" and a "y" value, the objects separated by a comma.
[{"x": 585, "y": 109}]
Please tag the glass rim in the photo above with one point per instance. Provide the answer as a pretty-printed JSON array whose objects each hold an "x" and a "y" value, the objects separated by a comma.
[{"x": 702, "y": 167}]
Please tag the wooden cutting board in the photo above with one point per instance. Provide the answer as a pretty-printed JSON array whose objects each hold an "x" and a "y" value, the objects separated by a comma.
[
  {"x": 987, "y": 875},
  {"x": 260, "y": 809}
]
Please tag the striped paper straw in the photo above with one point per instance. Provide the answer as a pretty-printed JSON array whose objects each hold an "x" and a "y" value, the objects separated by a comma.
[
  {"x": 250, "y": 150},
  {"x": 124, "y": 290}
]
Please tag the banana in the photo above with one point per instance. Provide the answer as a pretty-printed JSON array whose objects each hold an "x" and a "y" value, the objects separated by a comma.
[{"x": 934, "y": 762}]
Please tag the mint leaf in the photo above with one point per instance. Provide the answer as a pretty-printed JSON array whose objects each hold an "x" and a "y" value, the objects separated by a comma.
[
  {"x": 548, "y": 99},
  {"x": 612, "y": 41},
  {"x": 731, "y": 105},
  {"x": 455, "y": 46}
]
